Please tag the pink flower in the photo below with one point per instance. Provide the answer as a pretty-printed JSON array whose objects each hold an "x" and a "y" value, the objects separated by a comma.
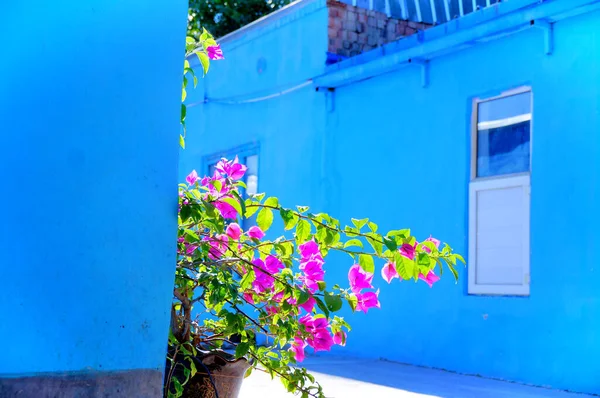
[
  {"x": 359, "y": 278},
  {"x": 192, "y": 177},
  {"x": 233, "y": 231},
  {"x": 306, "y": 320},
  {"x": 249, "y": 297},
  {"x": 207, "y": 182},
  {"x": 190, "y": 249},
  {"x": 226, "y": 210},
  {"x": 434, "y": 241},
  {"x": 339, "y": 338},
  {"x": 271, "y": 309},
  {"x": 215, "y": 53},
  {"x": 232, "y": 169},
  {"x": 309, "y": 249},
  {"x": 430, "y": 279},
  {"x": 218, "y": 246},
  {"x": 298, "y": 349},
  {"x": 256, "y": 233},
  {"x": 273, "y": 264},
  {"x": 320, "y": 340},
  {"x": 309, "y": 305},
  {"x": 279, "y": 296},
  {"x": 367, "y": 300},
  {"x": 388, "y": 272},
  {"x": 408, "y": 251},
  {"x": 262, "y": 281}
]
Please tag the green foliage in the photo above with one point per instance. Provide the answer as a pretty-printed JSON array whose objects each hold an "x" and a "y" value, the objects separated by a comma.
[{"x": 221, "y": 17}]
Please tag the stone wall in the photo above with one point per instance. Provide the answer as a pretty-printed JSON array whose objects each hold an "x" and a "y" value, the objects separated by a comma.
[{"x": 354, "y": 30}]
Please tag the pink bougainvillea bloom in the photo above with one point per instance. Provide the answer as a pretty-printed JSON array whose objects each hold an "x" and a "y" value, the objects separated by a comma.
[
  {"x": 233, "y": 231},
  {"x": 226, "y": 210},
  {"x": 298, "y": 349},
  {"x": 218, "y": 246},
  {"x": 190, "y": 249},
  {"x": 309, "y": 305},
  {"x": 263, "y": 281},
  {"x": 256, "y": 233},
  {"x": 430, "y": 279},
  {"x": 215, "y": 53},
  {"x": 273, "y": 264},
  {"x": 232, "y": 169},
  {"x": 367, "y": 300},
  {"x": 434, "y": 241},
  {"x": 192, "y": 177},
  {"x": 408, "y": 251},
  {"x": 249, "y": 297},
  {"x": 388, "y": 272},
  {"x": 309, "y": 249},
  {"x": 321, "y": 340},
  {"x": 279, "y": 296},
  {"x": 339, "y": 338},
  {"x": 359, "y": 278},
  {"x": 271, "y": 309},
  {"x": 306, "y": 320}
]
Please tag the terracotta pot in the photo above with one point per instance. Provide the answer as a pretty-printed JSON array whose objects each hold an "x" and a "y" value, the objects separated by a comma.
[{"x": 227, "y": 375}]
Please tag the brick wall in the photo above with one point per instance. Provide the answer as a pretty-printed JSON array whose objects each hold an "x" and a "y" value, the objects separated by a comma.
[{"x": 354, "y": 30}]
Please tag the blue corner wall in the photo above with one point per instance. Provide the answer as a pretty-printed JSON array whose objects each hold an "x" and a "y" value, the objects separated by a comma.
[
  {"x": 389, "y": 149},
  {"x": 89, "y": 118}
]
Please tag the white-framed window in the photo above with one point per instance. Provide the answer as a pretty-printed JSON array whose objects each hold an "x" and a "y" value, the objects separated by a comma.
[{"x": 500, "y": 194}]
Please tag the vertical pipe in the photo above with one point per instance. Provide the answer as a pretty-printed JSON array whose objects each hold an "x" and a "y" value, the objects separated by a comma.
[
  {"x": 404, "y": 9},
  {"x": 354, "y": 3},
  {"x": 461, "y": 9},
  {"x": 418, "y": 7},
  {"x": 487, "y": 3},
  {"x": 388, "y": 9},
  {"x": 447, "y": 9},
  {"x": 371, "y": 5},
  {"x": 474, "y": 5},
  {"x": 433, "y": 11}
]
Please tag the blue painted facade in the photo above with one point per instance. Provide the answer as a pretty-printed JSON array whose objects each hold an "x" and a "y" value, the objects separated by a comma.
[
  {"x": 89, "y": 116},
  {"x": 380, "y": 139}
]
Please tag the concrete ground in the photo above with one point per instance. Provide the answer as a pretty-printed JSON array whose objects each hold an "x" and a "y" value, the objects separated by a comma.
[{"x": 347, "y": 378}]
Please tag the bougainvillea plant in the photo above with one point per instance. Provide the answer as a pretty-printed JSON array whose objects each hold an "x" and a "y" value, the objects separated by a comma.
[
  {"x": 243, "y": 284},
  {"x": 232, "y": 282}
]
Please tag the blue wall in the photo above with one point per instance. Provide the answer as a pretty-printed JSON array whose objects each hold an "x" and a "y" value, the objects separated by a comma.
[
  {"x": 89, "y": 116},
  {"x": 366, "y": 155}
]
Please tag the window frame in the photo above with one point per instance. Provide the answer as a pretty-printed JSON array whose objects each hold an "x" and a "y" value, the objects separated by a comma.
[{"x": 502, "y": 181}]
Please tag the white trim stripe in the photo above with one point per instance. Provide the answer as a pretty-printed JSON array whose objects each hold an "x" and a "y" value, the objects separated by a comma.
[{"x": 494, "y": 124}]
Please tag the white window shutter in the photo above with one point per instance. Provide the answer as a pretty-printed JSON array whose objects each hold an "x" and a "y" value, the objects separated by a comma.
[{"x": 499, "y": 236}]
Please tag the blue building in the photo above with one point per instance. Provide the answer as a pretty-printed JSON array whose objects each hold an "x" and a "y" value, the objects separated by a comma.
[
  {"x": 89, "y": 118},
  {"x": 480, "y": 127}
]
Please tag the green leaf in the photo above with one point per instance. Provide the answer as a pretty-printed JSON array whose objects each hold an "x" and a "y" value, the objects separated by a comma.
[
  {"x": 404, "y": 266},
  {"x": 352, "y": 301},
  {"x": 302, "y": 297},
  {"x": 264, "y": 219},
  {"x": 333, "y": 301},
  {"x": 272, "y": 201},
  {"x": 217, "y": 184},
  {"x": 423, "y": 259},
  {"x": 183, "y": 112},
  {"x": 251, "y": 208},
  {"x": 183, "y": 94},
  {"x": 289, "y": 219},
  {"x": 181, "y": 141},
  {"x": 302, "y": 209},
  {"x": 405, "y": 233},
  {"x": 360, "y": 223},
  {"x": 322, "y": 306},
  {"x": 454, "y": 271},
  {"x": 390, "y": 243},
  {"x": 248, "y": 372},
  {"x": 322, "y": 285},
  {"x": 178, "y": 386},
  {"x": 240, "y": 201},
  {"x": 204, "y": 60},
  {"x": 353, "y": 242},
  {"x": 366, "y": 262},
  {"x": 302, "y": 230},
  {"x": 372, "y": 226},
  {"x": 460, "y": 258},
  {"x": 375, "y": 242},
  {"x": 242, "y": 349},
  {"x": 236, "y": 205}
]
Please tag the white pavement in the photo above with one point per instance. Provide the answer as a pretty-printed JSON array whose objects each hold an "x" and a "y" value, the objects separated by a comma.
[{"x": 357, "y": 378}]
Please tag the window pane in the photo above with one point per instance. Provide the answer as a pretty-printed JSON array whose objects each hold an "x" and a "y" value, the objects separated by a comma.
[
  {"x": 504, "y": 108},
  {"x": 252, "y": 174},
  {"x": 503, "y": 150}
]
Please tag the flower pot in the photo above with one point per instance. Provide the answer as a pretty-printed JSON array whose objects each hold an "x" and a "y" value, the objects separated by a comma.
[{"x": 227, "y": 375}]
